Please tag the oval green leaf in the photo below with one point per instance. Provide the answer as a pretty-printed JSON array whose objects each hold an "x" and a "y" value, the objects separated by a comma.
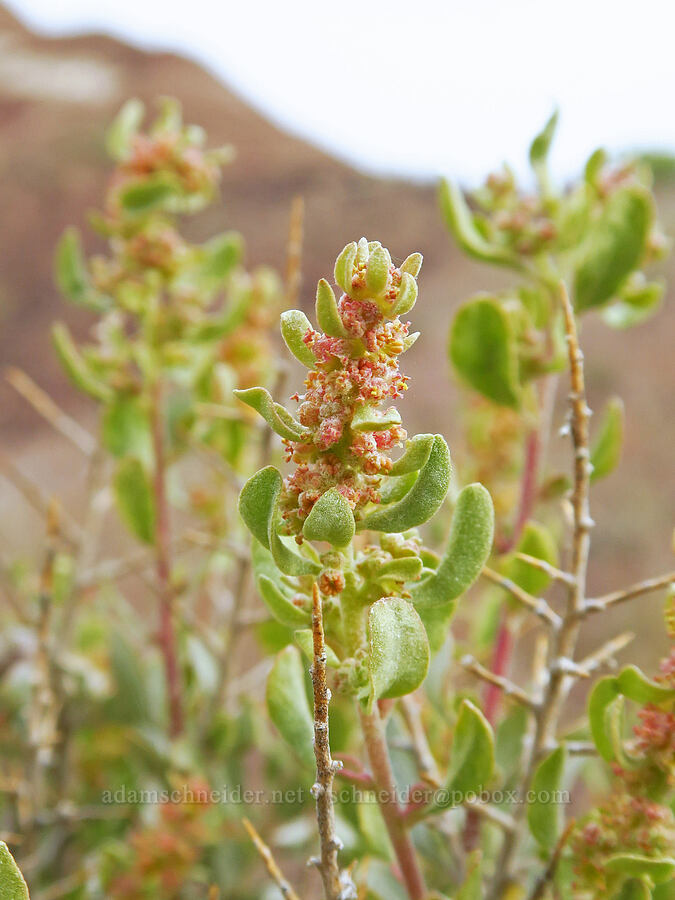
[
  {"x": 472, "y": 756},
  {"x": 543, "y": 812},
  {"x": 12, "y": 883},
  {"x": 276, "y": 416},
  {"x": 327, "y": 314},
  {"x": 135, "y": 498},
  {"x": 331, "y": 519},
  {"x": 294, "y": 327},
  {"x": 288, "y": 706},
  {"x": 606, "y": 450},
  {"x": 399, "y": 649}
]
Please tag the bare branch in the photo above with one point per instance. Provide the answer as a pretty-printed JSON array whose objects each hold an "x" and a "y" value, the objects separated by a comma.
[
  {"x": 506, "y": 685},
  {"x": 426, "y": 764},
  {"x": 600, "y": 604},
  {"x": 543, "y": 566},
  {"x": 275, "y": 872},
  {"x": 536, "y": 605},
  {"x": 606, "y": 653},
  {"x": 326, "y": 768}
]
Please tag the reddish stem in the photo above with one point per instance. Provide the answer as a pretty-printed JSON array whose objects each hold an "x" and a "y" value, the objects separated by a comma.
[
  {"x": 167, "y": 634},
  {"x": 387, "y": 797}
]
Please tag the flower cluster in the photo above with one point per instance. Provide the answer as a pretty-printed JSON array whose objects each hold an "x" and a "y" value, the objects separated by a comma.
[{"x": 347, "y": 440}]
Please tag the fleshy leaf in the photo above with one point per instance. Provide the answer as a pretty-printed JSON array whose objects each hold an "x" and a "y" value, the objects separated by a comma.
[
  {"x": 407, "y": 568},
  {"x": 288, "y": 705},
  {"x": 331, "y": 519},
  {"x": 393, "y": 489},
  {"x": 76, "y": 366},
  {"x": 541, "y": 145},
  {"x": 472, "y": 886},
  {"x": 416, "y": 454},
  {"x": 633, "y": 865},
  {"x": 543, "y": 813},
  {"x": 124, "y": 128},
  {"x": 257, "y": 502},
  {"x": 423, "y": 499},
  {"x": 605, "y": 692},
  {"x": 367, "y": 418},
  {"x": 459, "y": 219},
  {"x": 377, "y": 270},
  {"x": 282, "y": 607},
  {"x": 72, "y": 276},
  {"x": 484, "y": 352},
  {"x": 12, "y": 883},
  {"x": 606, "y": 450},
  {"x": 125, "y": 429},
  {"x": 406, "y": 297},
  {"x": 327, "y": 314},
  {"x": 614, "y": 247},
  {"x": 304, "y": 638},
  {"x": 344, "y": 267},
  {"x": 472, "y": 756},
  {"x": 135, "y": 500},
  {"x": 469, "y": 546},
  {"x": 221, "y": 255},
  {"x": 412, "y": 264},
  {"x": 635, "y": 305},
  {"x": 288, "y": 561},
  {"x": 634, "y": 685},
  {"x": 399, "y": 649},
  {"x": 276, "y": 416},
  {"x": 294, "y": 327},
  {"x": 148, "y": 194}
]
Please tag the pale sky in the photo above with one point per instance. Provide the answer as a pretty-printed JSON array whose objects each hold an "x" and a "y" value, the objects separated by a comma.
[{"x": 419, "y": 87}]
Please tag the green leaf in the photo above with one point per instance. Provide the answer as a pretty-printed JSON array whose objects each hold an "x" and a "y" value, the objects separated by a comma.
[
  {"x": 472, "y": 886},
  {"x": 406, "y": 296},
  {"x": 147, "y": 194},
  {"x": 367, "y": 418},
  {"x": 634, "y": 866},
  {"x": 288, "y": 706},
  {"x": 394, "y": 489},
  {"x": 416, "y": 454},
  {"x": 72, "y": 276},
  {"x": 459, "y": 219},
  {"x": 289, "y": 562},
  {"x": 125, "y": 428},
  {"x": 344, "y": 267},
  {"x": 407, "y": 568},
  {"x": 257, "y": 502},
  {"x": 220, "y": 255},
  {"x": 276, "y": 416},
  {"x": 294, "y": 327},
  {"x": 331, "y": 519},
  {"x": 605, "y": 691},
  {"x": 436, "y": 621},
  {"x": 469, "y": 546},
  {"x": 76, "y": 366},
  {"x": 541, "y": 145},
  {"x": 282, "y": 607},
  {"x": 635, "y": 305},
  {"x": 472, "y": 756},
  {"x": 606, "y": 450},
  {"x": 124, "y": 128},
  {"x": 412, "y": 264},
  {"x": 135, "y": 499},
  {"x": 510, "y": 738},
  {"x": 377, "y": 270},
  {"x": 484, "y": 352},
  {"x": 12, "y": 883},
  {"x": 422, "y": 501},
  {"x": 131, "y": 702},
  {"x": 373, "y": 829},
  {"x": 537, "y": 541},
  {"x": 634, "y": 685},
  {"x": 399, "y": 649},
  {"x": 327, "y": 314},
  {"x": 543, "y": 813},
  {"x": 304, "y": 638},
  {"x": 614, "y": 247}
]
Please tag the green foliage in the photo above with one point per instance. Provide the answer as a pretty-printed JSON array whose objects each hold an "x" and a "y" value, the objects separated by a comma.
[
  {"x": 544, "y": 811},
  {"x": 273, "y": 413},
  {"x": 331, "y": 519},
  {"x": 12, "y": 883},
  {"x": 288, "y": 706},
  {"x": 135, "y": 498},
  {"x": 399, "y": 649},
  {"x": 472, "y": 758},
  {"x": 483, "y": 350},
  {"x": 606, "y": 450},
  {"x": 294, "y": 326}
]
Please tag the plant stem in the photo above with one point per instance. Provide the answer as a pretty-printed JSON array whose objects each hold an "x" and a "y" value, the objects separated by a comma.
[
  {"x": 383, "y": 776},
  {"x": 565, "y": 637},
  {"x": 275, "y": 872},
  {"x": 167, "y": 634},
  {"x": 326, "y": 768}
]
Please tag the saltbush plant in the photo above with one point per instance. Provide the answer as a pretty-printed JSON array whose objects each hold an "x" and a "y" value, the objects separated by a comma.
[{"x": 364, "y": 713}]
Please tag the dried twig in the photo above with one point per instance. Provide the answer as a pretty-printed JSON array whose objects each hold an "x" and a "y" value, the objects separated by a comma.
[
  {"x": 504, "y": 684},
  {"x": 600, "y": 604},
  {"x": 537, "y": 605},
  {"x": 605, "y": 654},
  {"x": 426, "y": 764},
  {"x": 327, "y": 864},
  {"x": 552, "y": 571},
  {"x": 275, "y": 872},
  {"x": 43, "y": 404}
]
